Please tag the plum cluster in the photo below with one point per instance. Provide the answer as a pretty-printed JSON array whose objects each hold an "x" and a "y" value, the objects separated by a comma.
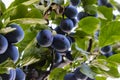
[
  {"x": 76, "y": 75},
  {"x": 14, "y": 74},
  {"x": 8, "y": 50},
  {"x": 61, "y": 41},
  {"x": 7, "y": 41}
]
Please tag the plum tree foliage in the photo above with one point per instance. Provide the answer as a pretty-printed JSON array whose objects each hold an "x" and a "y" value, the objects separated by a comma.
[{"x": 59, "y": 40}]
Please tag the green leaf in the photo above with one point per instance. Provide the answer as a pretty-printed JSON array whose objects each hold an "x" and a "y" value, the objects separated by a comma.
[
  {"x": 2, "y": 7},
  {"x": 88, "y": 25},
  {"x": 5, "y": 66},
  {"x": 91, "y": 9},
  {"x": 19, "y": 12},
  {"x": 100, "y": 78},
  {"x": 81, "y": 39},
  {"x": 107, "y": 12},
  {"x": 34, "y": 13},
  {"x": 115, "y": 58},
  {"x": 109, "y": 33},
  {"x": 87, "y": 71},
  {"x": 8, "y": 12},
  {"x": 17, "y": 2},
  {"x": 82, "y": 43},
  {"x": 32, "y": 53},
  {"x": 113, "y": 69},
  {"x": 88, "y": 2},
  {"x": 57, "y": 74}
]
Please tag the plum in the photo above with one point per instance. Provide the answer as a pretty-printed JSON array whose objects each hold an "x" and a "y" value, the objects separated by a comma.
[
  {"x": 66, "y": 25},
  {"x": 10, "y": 76},
  {"x": 70, "y": 76},
  {"x": 102, "y": 2},
  {"x": 44, "y": 38},
  {"x": 82, "y": 15},
  {"x": 12, "y": 53},
  {"x": 60, "y": 43},
  {"x": 20, "y": 75},
  {"x": 70, "y": 11},
  {"x": 59, "y": 31},
  {"x": 3, "y": 44},
  {"x": 79, "y": 74},
  {"x": 15, "y": 36}
]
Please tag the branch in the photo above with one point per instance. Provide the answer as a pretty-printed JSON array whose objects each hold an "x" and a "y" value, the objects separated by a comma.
[{"x": 90, "y": 45}]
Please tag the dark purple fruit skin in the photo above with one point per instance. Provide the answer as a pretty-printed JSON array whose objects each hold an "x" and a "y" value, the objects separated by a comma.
[
  {"x": 20, "y": 75},
  {"x": 78, "y": 74},
  {"x": 102, "y": 2},
  {"x": 106, "y": 49},
  {"x": 59, "y": 31},
  {"x": 3, "y": 44},
  {"x": 58, "y": 57},
  {"x": 15, "y": 36},
  {"x": 60, "y": 43},
  {"x": 66, "y": 25},
  {"x": 44, "y": 38},
  {"x": 75, "y": 2},
  {"x": 10, "y": 76},
  {"x": 11, "y": 52},
  {"x": 70, "y": 12},
  {"x": 69, "y": 55},
  {"x": 109, "y": 5},
  {"x": 89, "y": 79},
  {"x": 108, "y": 54},
  {"x": 70, "y": 76},
  {"x": 74, "y": 21},
  {"x": 82, "y": 15}
]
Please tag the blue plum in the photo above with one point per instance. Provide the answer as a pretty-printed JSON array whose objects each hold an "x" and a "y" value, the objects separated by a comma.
[
  {"x": 66, "y": 25},
  {"x": 89, "y": 79},
  {"x": 82, "y": 15},
  {"x": 11, "y": 52},
  {"x": 106, "y": 49},
  {"x": 20, "y": 75},
  {"x": 3, "y": 44},
  {"x": 15, "y": 36},
  {"x": 58, "y": 57},
  {"x": 59, "y": 31},
  {"x": 79, "y": 74},
  {"x": 70, "y": 11},
  {"x": 69, "y": 55},
  {"x": 44, "y": 38},
  {"x": 74, "y": 21},
  {"x": 70, "y": 76},
  {"x": 109, "y": 5},
  {"x": 60, "y": 43},
  {"x": 102, "y": 2},
  {"x": 10, "y": 76}
]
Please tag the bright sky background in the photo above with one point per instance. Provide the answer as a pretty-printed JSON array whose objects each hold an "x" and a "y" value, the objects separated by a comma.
[{"x": 8, "y": 2}]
